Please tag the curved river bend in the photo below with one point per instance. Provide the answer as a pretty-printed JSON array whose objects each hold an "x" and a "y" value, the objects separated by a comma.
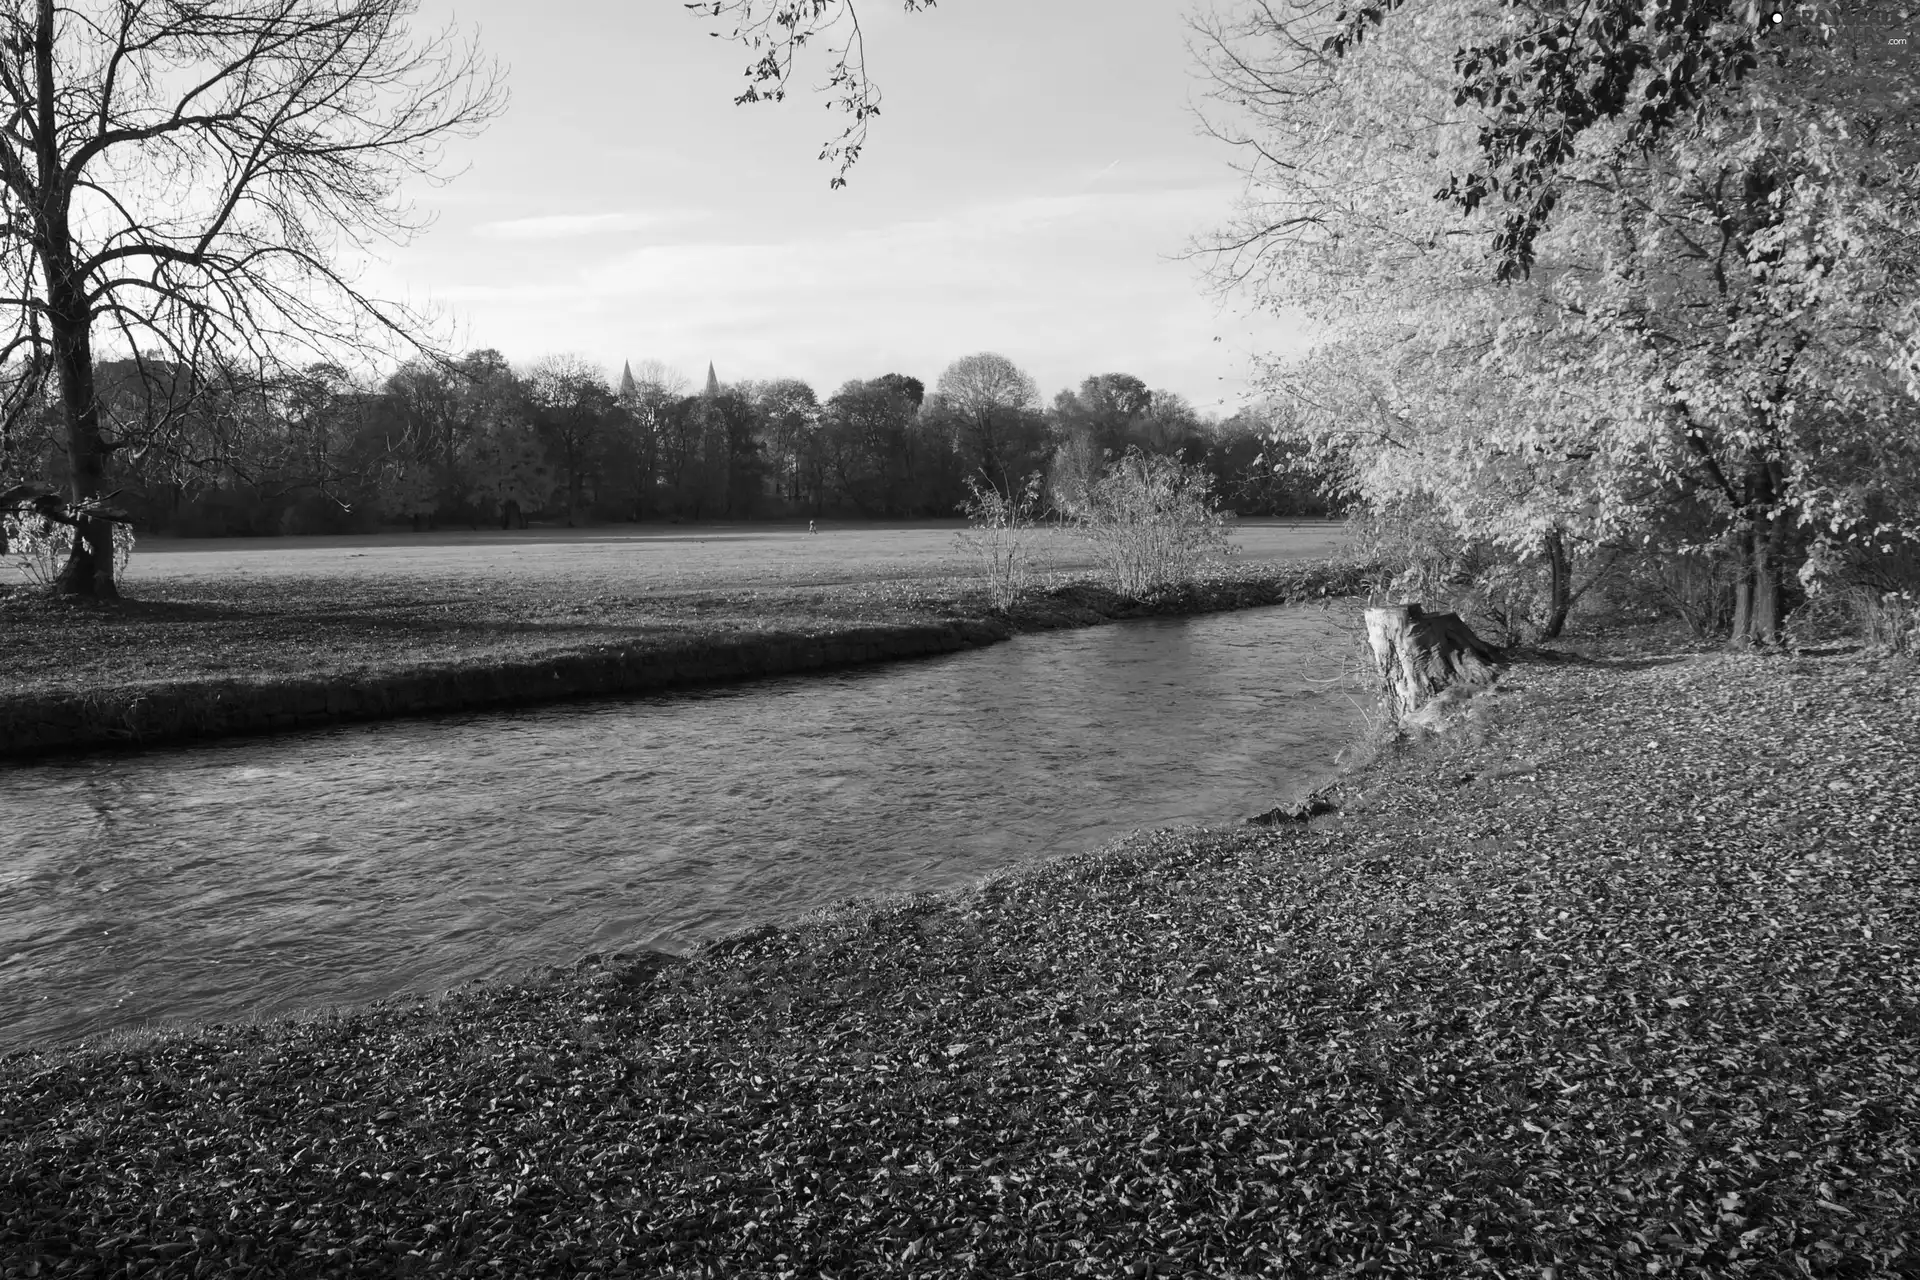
[{"x": 258, "y": 876}]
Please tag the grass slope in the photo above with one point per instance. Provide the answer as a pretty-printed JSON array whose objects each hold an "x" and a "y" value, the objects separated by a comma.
[{"x": 1622, "y": 979}]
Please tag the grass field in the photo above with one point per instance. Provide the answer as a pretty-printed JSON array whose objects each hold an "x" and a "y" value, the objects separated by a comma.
[
  {"x": 624, "y": 558},
  {"x": 364, "y": 606}
]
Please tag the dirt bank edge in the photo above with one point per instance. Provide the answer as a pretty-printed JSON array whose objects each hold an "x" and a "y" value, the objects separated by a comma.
[{"x": 35, "y": 725}]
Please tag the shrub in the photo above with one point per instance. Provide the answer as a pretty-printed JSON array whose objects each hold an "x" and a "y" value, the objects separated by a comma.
[
  {"x": 1693, "y": 585},
  {"x": 1000, "y": 533},
  {"x": 1424, "y": 558},
  {"x": 1151, "y": 520},
  {"x": 39, "y": 547},
  {"x": 1888, "y": 621},
  {"x": 1874, "y": 593}
]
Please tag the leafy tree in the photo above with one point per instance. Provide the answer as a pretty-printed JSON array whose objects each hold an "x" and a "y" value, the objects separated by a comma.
[
  {"x": 1603, "y": 315},
  {"x": 1103, "y": 415},
  {"x": 183, "y": 173},
  {"x": 411, "y": 489},
  {"x": 1260, "y": 469},
  {"x": 482, "y": 389},
  {"x": 1173, "y": 426},
  {"x": 1087, "y": 426},
  {"x": 869, "y": 442},
  {"x": 685, "y": 482},
  {"x": 573, "y": 412},
  {"x": 322, "y": 414},
  {"x": 426, "y": 404},
  {"x": 647, "y": 400},
  {"x": 990, "y": 407},
  {"x": 508, "y": 467},
  {"x": 734, "y": 433},
  {"x": 789, "y": 415}
]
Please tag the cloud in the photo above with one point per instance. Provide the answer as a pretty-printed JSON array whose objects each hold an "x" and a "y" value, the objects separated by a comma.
[
  {"x": 1050, "y": 246},
  {"x": 566, "y": 226},
  {"x": 1065, "y": 284}
]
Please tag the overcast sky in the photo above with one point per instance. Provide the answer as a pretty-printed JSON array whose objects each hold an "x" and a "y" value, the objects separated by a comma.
[{"x": 1035, "y": 175}]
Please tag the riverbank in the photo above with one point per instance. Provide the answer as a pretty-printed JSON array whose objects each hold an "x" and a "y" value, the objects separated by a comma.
[
  {"x": 1621, "y": 979},
  {"x": 208, "y": 660}
]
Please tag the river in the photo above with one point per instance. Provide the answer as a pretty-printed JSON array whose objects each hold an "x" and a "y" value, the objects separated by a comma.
[{"x": 258, "y": 876}]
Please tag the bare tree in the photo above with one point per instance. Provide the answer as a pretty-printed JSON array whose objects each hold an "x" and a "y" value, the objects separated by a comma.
[
  {"x": 178, "y": 182},
  {"x": 776, "y": 30}
]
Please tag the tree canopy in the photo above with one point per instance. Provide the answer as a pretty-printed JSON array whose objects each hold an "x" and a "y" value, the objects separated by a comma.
[{"x": 1591, "y": 274}]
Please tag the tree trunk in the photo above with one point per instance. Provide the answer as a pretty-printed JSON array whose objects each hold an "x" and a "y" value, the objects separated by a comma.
[
  {"x": 1559, "y": 584},
  {"x": 1769, "y": 542},
  {"x": 89, "y": 567},
  {"x": 1420, "y": 654},
  {"x": 1742, "y": 587}
]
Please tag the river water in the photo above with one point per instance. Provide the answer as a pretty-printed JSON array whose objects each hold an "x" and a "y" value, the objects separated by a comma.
[{"x": 258, "y": 876}]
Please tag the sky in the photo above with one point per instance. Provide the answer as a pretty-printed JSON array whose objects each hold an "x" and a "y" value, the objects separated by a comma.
[{"x": 1031, "y": 186}]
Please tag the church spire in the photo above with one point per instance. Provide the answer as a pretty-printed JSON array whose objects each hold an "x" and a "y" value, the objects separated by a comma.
[
  {"x": 628, "y": 388},
  {"x": 713, "y": 383}
]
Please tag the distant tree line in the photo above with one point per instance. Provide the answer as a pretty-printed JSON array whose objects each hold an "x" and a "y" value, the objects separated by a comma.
[{"x": 476, "y": 442}]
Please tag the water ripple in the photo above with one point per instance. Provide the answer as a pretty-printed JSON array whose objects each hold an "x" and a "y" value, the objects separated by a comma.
[{"x": 257, "y": 876}]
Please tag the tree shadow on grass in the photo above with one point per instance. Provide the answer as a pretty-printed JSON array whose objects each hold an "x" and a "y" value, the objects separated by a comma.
[
  {"x": 34, "y": 604},
  {"x": 56, "y": 618},
  {"x": 1530, "y": 656}
]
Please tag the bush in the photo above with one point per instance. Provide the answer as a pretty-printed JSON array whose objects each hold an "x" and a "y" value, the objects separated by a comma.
[
  {"x": 1695, "y": 586},
  {"x": 1423, "y": 559},
  {"x": 1890, "y": 621},
  {"x": 39, "y": 547},
  {"x": 1000, "y": 535},
  {"x": 1872, "y": 594},
  {"x": 1151, "y": 520}
]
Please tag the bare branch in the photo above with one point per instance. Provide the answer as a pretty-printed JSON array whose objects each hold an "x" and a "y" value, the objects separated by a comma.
[{"x": 775, "y": 31}]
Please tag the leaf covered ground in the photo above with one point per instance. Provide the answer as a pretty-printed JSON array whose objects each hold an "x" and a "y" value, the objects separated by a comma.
[{"x": 1621, "y": 978}]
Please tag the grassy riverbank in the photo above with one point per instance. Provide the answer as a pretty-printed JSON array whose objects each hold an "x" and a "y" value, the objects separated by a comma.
[
  {"x": 301, "y": 637},
  {"x": 1622, "y": 979}
]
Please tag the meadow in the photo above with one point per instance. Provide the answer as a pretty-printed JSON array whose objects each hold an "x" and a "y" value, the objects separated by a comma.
[
  {"x": 647, "y": 558},
  {"x": 364, "y": 607}
]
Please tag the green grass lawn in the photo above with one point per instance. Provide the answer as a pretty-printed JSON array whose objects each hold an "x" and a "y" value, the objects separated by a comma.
[{"x": 1620, "y": 979}]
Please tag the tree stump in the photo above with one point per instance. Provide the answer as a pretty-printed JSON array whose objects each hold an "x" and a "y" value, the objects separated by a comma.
[{"x": 1421, "y": 654}]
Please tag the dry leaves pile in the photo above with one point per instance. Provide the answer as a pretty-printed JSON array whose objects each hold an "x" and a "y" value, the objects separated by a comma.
[{"x": 1624, "y": 980}]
